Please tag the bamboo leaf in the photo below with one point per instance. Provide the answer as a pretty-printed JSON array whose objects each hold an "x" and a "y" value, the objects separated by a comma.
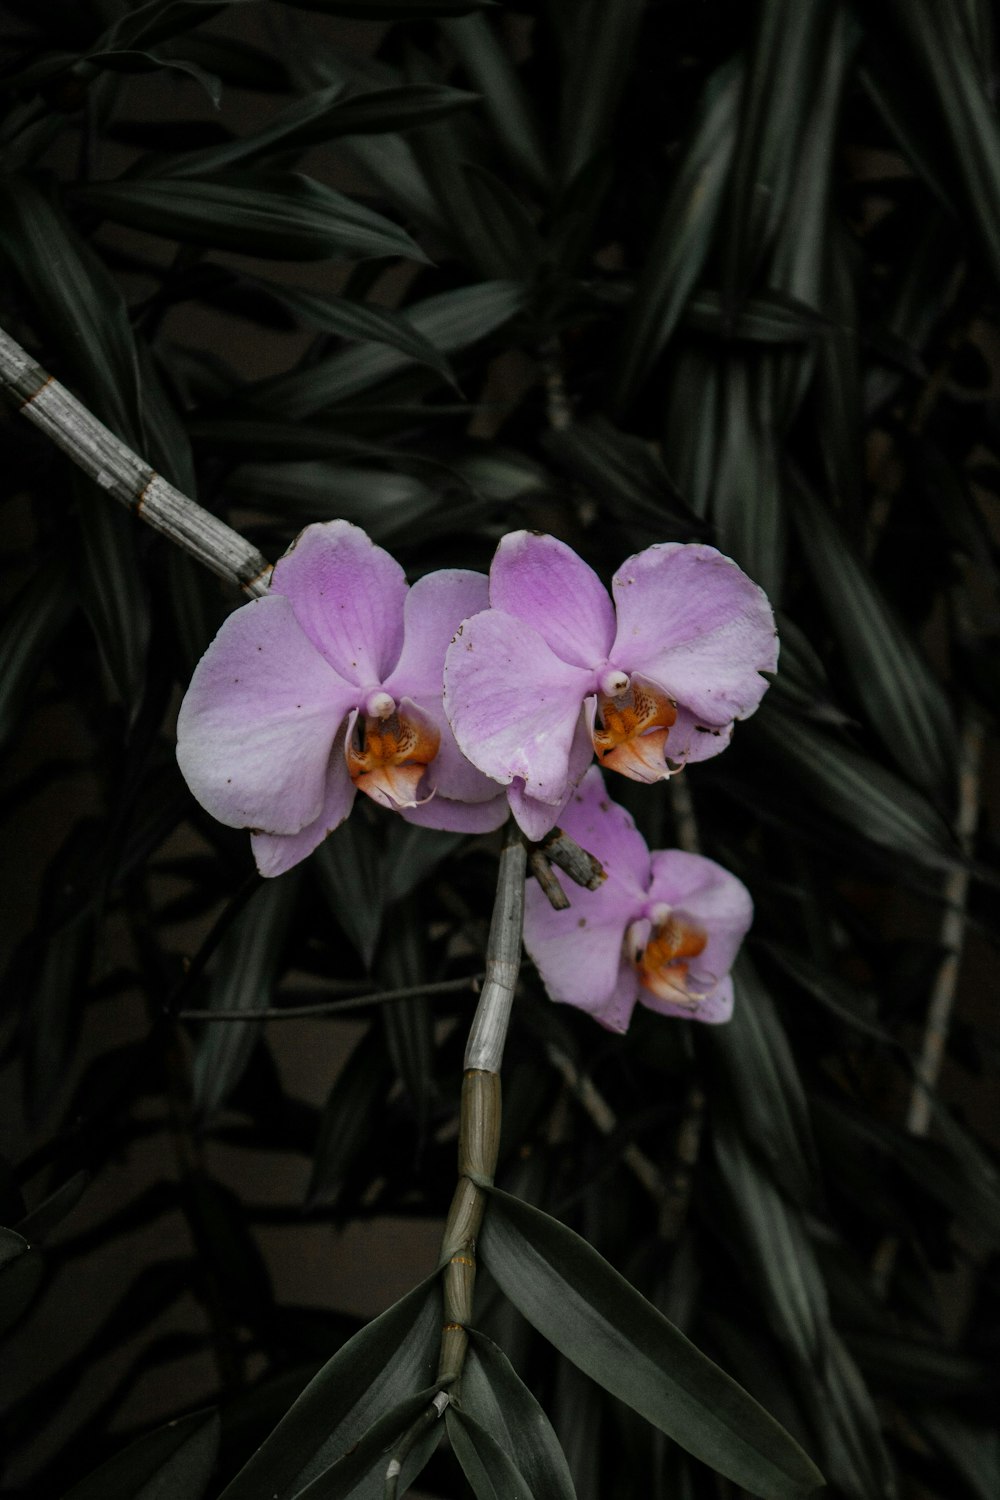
[
  {"x": 350, "y": 1117},
  {"x": 385, "y": 1363},
  {"x": 246, "y": 966},
  {"x": 490, "y": 1471},
  {"x": 279, "y": 215},
  {"x": 598, "y": 44},
  {"x": 499, "y": 1401},
  {"x": 35, "y": 619},
  {"x": 903, "y": 701},
  {"x": 614, "y": 1335}
]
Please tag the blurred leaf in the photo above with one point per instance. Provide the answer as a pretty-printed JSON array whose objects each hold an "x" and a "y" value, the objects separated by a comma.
[
  {"x": 771, "y": 318},
  {"x": 112, "y": 591},
  {"x": 75, "y": 301},
  {"x": 32, "y": 624},
  {"x": 323, "y": 116},
  {"x": 450, "y": 321},
  {"x": 598, "y": 41},
  {"x": 854, "y": 788},
  {"x": 389, "y": 1360},
  {"x": 20, "y": 1276},
  {"x": 595, "y": 1318},
  {"x": 246, "y": 966},
  {"x": 350, "y": 1117},
  {"x": 758, "y": 1073},
  {"x": 56, "y": 963},
  {"x": 505, "y": 101},
  {"x": 391, "y": 10},
  {"x": 903, "y": 701},
  {"x": 279, "y": 215},
  {"x": 490, "y": 1471},
  {"x": 972, "y": 1448},
  {"x": 411, "y": 855},
  {"x": 49, "y": 1214},
  {"x": 347, "y": 868},
  {"x": 173, "y": 1463},
  {"x": 683, "y": 235},
  {"x": 501, "y": 1403},
  {"x": 627, "y": 476},
  {"x": 133, "y": 62},
  {"x": 408, "y": 1025}
]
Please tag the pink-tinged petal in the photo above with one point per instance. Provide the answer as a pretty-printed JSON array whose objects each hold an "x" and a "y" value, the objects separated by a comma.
[
  {"x": 690, "y": 741},
  {"x": 449, "y": 773},
  {"x": 607, "y": 831},
  {"x": 276, "y": 853},
  {"x": 541, "y": 580},
  {"x": 535, "y": 819},
  {"x": 704, "y": 895},
  {"x": 715, "y": 1009},
  {"x": 348, "y": 596},
  {"x": 435, "y": 607},
  {"x": 258, "y": 721},
  {"x": 693, "y": 622},
  {"x": 459, "y": 817},
  {"x": 577, "y": 952},
  {"x": 513, "y": 704},
  {"x": 388, "y": 757}
]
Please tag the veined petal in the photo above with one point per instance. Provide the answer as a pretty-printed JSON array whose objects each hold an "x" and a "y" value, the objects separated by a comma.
[
  {"x": 450, "y": 774},
  {"x": 577, "y": 952},
  {"x": 258, "y": 721},
  {"x": 693, "y": 622},
  {"x": 541, "y": 580},
  {"x": 534, "y": 818},
  {"x": 512, "y": 703},
  {"x": 691, "y": 741},
  {"x": 348, "y": 595},
  {"x": 276, "y": 853},
  {"x": 459, "y": 817},
  {"x": 435, "y": 607}
]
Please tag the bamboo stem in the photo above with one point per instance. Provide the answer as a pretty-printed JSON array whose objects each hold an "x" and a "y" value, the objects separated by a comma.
[
  {"x": 125, "y": 476},
  {"x": 478, "y": 1137}
]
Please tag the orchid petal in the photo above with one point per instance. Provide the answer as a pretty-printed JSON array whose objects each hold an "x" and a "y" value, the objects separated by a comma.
[
  {"x": 714, "y": 1010},
  {"x": 348, "y": 595},
  {"x": 577, "y": 952},
  {"x": 459, "y": 817},
  {"x": 512, "y": 703},
  {"x": 276, "y": 853},
  {"x": 541, "y": 580},
  {"x": 712, "y": 899},
  {"x": 694, "y": 623},
  {"x": 608, "y": 832},
  {"x": 435, "y": 607},
  {"x": 534, "y": 818},
  {"x": 258, "y": 721}
]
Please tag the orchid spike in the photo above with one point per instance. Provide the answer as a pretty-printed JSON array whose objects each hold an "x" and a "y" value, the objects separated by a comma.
[
  {"x": 330, "y": 685},
  {"x": 554, "y": 670},
  {"x": 663, "y": 930}
]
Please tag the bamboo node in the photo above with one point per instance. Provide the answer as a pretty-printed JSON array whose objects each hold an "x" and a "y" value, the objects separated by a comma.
[
  {"x": 452, "y": 1328},
  {"x": 462, "y": 1260},
  {"x": 141, "y": 498},
  {"x": 35, "y": 394}
]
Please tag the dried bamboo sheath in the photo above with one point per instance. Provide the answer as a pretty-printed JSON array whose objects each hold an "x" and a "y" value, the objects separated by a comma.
[{"x": 125, "y": 476}]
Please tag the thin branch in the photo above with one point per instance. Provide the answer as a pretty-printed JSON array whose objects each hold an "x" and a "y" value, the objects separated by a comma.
[
  {"x": 581, "y": 867},
  {"x": 543, "y": 873},
  {"x": 333, "y": 1007},
  {"x": 125, "y": 476}
]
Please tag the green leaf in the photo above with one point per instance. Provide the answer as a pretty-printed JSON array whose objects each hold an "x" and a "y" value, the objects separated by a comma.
[
  {"x": 113, "y": 591},
  {"x": 360, "y": 1473},
  {"x": 972, "y": 1448},
  {"x": 505, "y": 102},
  {"x": 385, "y": 1363},
  {"x": 408, "y": 1025},
  {"x": 627, "y": 475},
  {"x": 770, "y": 318},
  {"x": 490, "y": 1471},
  {"x": 279, "y": 215},
  {"x": 245, "y": 969},
  {"x": 49, "y": 1214},
  {"x": 134, "y": 62},
  {"x": 390, "y": 10},
  {"x": 757, "y": 1071},
  {"x": 854, "y": 788},
  {"x": 347, "y": 867},
  {"x": 500, "y": 1402},
  {"x": 683, "y": 236},
  {"x": 450, "y": 321},
  {"x": 21, "y": 1269},
  {"x": 323, "y": 116},
  {"x": 592, "y": 1315},
  {"x": 173, "y": 1463},
  {"x": 902, "y": 699},
  {"x": 598, "y": 41},
  {"x": 34, "y": 621}
]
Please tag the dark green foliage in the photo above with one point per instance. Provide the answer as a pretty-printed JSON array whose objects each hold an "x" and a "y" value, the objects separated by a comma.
[{"x": 627, "y": 273}]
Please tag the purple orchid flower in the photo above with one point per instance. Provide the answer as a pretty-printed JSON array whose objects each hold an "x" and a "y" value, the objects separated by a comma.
[
  {"x": 329, "y": 685},
  {"x": 663, "y": 930},
  {"x": 554, "y": 671}
]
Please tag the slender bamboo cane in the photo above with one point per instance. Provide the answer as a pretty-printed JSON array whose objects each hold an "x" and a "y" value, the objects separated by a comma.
[
  {"x": 125, "y": 476},
  {"x": 478, "y": 1138}
]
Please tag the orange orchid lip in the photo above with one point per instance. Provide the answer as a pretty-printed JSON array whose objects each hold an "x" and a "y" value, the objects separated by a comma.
[
  {"x": 633, "y": 731},
  {"x": 664, "y": 962},
  {"x": 387, "y": 756}
]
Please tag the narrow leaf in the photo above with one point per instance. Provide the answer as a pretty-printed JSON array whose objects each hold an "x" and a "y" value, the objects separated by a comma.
[
  {"x": 173, "y": 1463},
  {"x": 501, "y": 1403}
]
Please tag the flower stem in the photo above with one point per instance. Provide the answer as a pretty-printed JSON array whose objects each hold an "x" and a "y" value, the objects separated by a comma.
[
  {"x": 125, "y": 476},
  {"x": 478, "y": 1135}
]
